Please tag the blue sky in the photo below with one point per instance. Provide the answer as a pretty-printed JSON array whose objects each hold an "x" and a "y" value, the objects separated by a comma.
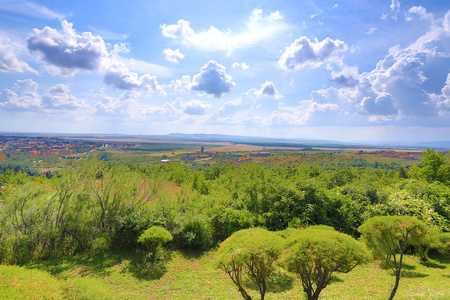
[{"x": 356, "y": 70}]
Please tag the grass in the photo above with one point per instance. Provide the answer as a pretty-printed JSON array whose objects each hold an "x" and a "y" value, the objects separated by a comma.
[{"x": 192, "y": 275}]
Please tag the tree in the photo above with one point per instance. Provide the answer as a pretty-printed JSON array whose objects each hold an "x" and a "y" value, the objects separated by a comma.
[
  {"x": 443, "y": 240},
  {"x": 153, "y": 238},
  {"x": 317, "y": 252},
  {"x": 250, "y": 252},
  {"x": 390, "y": 236}
]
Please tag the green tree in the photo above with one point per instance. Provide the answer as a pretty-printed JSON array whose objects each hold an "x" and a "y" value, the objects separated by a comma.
[
  {"x": 390, "y": 236},
  {"x": 317, "y": 252},
  {"x": 153, "y": 238},
  {"x": 443, "y": 240},
  {"x": 250, "y": 252}
]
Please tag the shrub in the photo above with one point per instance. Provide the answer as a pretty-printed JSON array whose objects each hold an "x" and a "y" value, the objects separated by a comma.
[
  {"x": 317, "y": 252},
  {"x": 153, "y": 238},
  {"x": 251, "y": 252},
  {"x": 390, "y": 236},
  {"x": 195, "y": 233}
]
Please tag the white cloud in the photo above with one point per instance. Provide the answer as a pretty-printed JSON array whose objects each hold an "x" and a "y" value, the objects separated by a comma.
[
  {"x": 118, "y": 107},
  {"x": 381, "y": 104},
  {"x": 60, "y": 97},
  {"x": 401, "y": 75},
  {"x": 395, "y": 8},
  {"x": 173, "y": 55},
  {"x": 196, "y": 107},
  {"x": 419, "y": 11},
  {"x": 65, "y": 52},
  {"x": 30, "y": 9},
  {"x": 109, "y": 35},
  {"x": 242, "y": 66},
  {"x": 371, "y": 31},
  {"x": 347, "y": 77},
  {"x": 213, "y": 80},
  {"x": 24, "y": 96},
  {"x": 303, "y": 53},
  {"x": 9, "y": 61},
  {"x": 118, "y": 76},
  {"x": 267, "y": 89},
  {"x": 301, "y": 114},
  {"x": 182, "y": 85},
  {"x": 258, "y": 29},
  {"x": 140, "y": 66},
  {"x": 233, "y": 112}
]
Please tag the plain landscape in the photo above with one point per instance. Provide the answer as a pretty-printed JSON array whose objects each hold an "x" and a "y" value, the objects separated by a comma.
[{"x": 74, "y": 207}]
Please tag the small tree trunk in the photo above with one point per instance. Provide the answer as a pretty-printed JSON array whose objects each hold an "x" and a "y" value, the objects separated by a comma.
[
  {"x": 244, "y": 294},
  {"x": 263, "y": 289},
  {"x": 397, "y": 277}
]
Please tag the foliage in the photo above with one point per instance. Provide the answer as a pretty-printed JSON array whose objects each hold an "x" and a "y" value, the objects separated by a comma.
[
  {"x": 250, "y": 252},
  {"x": 390, "y": 236},
  {"x": 443, "y": 244},
  {"x": 153, "y": 238},
  {"x": 317, "y": 252}
]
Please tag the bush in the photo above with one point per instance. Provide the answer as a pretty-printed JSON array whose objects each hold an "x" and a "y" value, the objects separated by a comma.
[
  {"x": 253, "y": 252},
  {"x": 153, "y": 238},
  {"x": 389, "y": 237},
  {"x": 317, "y": 252},
  {"x": 195, "y": 233}
]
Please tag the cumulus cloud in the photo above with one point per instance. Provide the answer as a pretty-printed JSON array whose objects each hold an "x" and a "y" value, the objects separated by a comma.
[
  {"x": 301, "y": 114},
  {"x": 401, "y": 75},
  {"x": 113, "y": 107},
  {"x": 381, "y": 104},
  {"x": 196, "y": 107},
  {"x": 60, "y": 97},
  {"x": 213, "y": 80},
  {"x": 173, "y": 55},
  {"x": 267, "y": 89},
  {"x": 118, "y": 76},
  {"x": 258, "y": 29},
  {"x": 233, "y": 112},
  {"x": 419, "y": 11},
  {"x": 242, "y": 66},
  {"x": 303, "y": 53},
  {"x": 64, "y": 52},
  {"x": 23, "y": 96},
  {"x": 9, "y": 61},
  {"x": 347, "y": 77}
]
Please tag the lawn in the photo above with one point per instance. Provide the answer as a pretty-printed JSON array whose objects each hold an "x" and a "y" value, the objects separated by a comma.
[{"x": 192, "y": 275}]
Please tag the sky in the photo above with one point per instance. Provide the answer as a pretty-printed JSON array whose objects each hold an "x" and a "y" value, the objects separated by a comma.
[{"x": 343, "y": 70}]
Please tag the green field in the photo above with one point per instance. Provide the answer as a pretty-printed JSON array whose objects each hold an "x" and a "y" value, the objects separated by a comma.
[{"x": 192, "y": 275}]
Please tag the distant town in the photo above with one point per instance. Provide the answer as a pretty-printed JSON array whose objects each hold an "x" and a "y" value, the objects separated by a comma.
[{"x": 45, "y": 147}]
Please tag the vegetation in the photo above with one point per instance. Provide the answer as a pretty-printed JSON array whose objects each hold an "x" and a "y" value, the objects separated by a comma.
[
  {"x": 153, "y": 238},
  {"x": 317, "y": 252},
  {"x": 250, "y": 252},
  {"x": 59, "y": 220},
  {"x": 390, "y": 236}
]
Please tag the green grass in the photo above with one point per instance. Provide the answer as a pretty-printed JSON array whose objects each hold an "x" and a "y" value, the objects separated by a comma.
[{"x": 191, "y": 275}]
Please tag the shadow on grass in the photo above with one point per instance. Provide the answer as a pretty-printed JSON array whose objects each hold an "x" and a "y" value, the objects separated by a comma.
[
  {"x": 280, "y": 281},
  {"x": 335, "y": 279},
  {"x": 146, "y": 271},
  {"x": 101, "y": 265},
  {"x": 412, "y": 274},
  {"x": 433, "y": 265},
  {"x": 191, "y": 254}
]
